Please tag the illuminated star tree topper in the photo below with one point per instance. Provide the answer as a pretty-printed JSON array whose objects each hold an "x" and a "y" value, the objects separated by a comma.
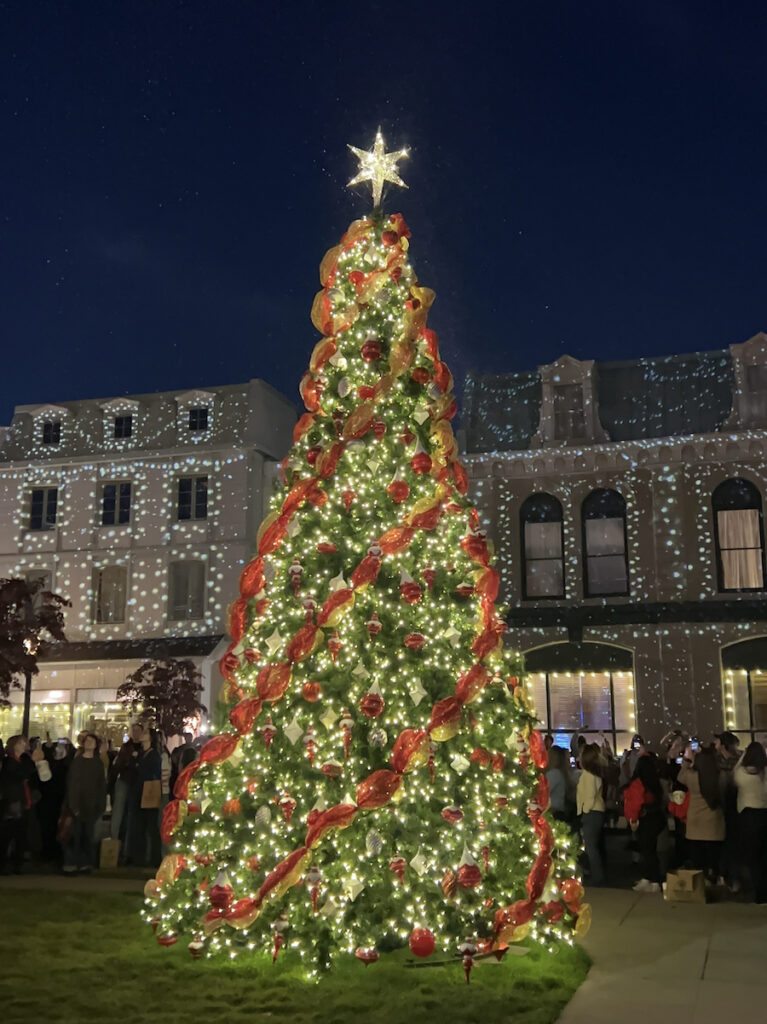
[{"x": 377, "y": 167}]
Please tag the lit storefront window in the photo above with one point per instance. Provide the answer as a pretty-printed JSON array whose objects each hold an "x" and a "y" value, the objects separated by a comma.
[
  {"x": 745, "y": 703},
  {"x": 585, "y": 703}
]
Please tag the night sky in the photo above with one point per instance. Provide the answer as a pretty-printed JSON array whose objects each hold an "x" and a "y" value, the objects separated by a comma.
[{"x": 588, "y": 178}]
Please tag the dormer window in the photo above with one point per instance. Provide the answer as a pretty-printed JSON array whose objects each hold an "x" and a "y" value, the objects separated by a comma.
[
  {"x": 121, "y": 422},
  {"x": 198, "y": 419},
  {"x": 52, "y": 432},
  {"x": 568, "y": 411},
  {"x": 123, "y": 426},
  {"x": 756, "y": 377},
  {"x": 195, "y": 416},
  {"x": 569, "y": 421}
]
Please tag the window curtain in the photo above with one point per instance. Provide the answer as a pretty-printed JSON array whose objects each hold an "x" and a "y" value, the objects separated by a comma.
[
  {"x": 606, "y": 556},
  {"x": 543, "y": 560},
  {"x": 740, "y": 545}
]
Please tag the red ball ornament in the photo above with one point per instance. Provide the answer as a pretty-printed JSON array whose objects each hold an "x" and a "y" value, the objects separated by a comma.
[
  {"x": 196, "y": 949},
  {"x": 367, "y": 956},
  {"x": 371, "y": 350},
  {"x": 421, "y": 462},
  {"x": 415, "y": 641},
  {"x": 379, "y": 429},
  {"x": 373, "y": 625},
  {"x": 372, "y": 703},
  {"x": 421, "y": 375},
  {"x": 313, "y": 454},
  {"x": 421, "y": 942},
  {"x": 398, "y": 491},
  {"x": 311, "y": 692},
  {"x": 167, "y": 939}
]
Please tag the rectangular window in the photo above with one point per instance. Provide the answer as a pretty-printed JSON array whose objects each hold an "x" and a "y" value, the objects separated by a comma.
[
  {"x": 115, "y": 504},
  {"x": 108, "y": 592},
  {"x": 585, "y": 703},
  {"x": 193, "y": 497},
  {"x": 544, "y": 576},
  {"x": 756, "y": 377},
  {"x": 42, "y": 513},
  {"x": 198, "y": 419},
  {"x": 123, "y": 426},
  {"x": 42, "y": 576},
  {"x": 740, "y": 549},
  {"x": 606, "y": 556},
  {"x": 569, "y": 421},
  {"x": 186, "y": 590},
  {"x": 759, "y": 699},
  {"x": 51, "y": 432}
]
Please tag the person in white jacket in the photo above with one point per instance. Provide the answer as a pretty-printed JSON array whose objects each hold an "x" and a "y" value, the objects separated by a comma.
[
  {"x": 589, "y": 798},
  {"x": 750, "y": 777}
]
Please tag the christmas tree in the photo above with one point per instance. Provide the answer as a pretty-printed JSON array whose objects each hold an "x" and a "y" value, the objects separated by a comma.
[{"x": 380, "y": 780}]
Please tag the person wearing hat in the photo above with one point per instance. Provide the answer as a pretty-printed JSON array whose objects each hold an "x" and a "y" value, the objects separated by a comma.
[{"x": 727, "y": 747}]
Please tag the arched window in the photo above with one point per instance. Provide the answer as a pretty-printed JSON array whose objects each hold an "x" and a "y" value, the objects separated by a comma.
[
  {"x": 108, "y": 593},
  {"x": 739, "y": 535},
  {"x": 543, "y": 571},
  {"x": 603, "y": 514}
]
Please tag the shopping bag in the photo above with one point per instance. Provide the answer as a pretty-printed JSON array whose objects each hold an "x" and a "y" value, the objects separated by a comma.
[
  {"x": 109, "y": 853},
  {"x": 151, "y": 795}
]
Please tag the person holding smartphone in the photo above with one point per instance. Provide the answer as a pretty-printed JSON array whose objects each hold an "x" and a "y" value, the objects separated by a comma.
[
  {"x": 644, "y": 809},
  {"x": 705, "y": 814}
]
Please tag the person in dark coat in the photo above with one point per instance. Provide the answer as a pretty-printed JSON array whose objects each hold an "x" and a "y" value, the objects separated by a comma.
[
  {"x": 17, "y": 778},
  {"x": 52, "y": 795},
  {"x": 144, "y": 822},
  {"x": 87, "y": 800}
]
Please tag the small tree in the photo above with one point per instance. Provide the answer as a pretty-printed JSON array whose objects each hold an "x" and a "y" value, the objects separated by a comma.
[
  {"x": 28, "y": 615},
  {"x": 165, "y": 690}
]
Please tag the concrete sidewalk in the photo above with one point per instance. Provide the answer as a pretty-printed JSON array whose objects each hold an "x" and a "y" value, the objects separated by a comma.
[{"x": 686, "y": 963}]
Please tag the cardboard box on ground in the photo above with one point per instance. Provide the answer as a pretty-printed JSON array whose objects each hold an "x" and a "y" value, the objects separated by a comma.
[{"x": 685, "y": 886}]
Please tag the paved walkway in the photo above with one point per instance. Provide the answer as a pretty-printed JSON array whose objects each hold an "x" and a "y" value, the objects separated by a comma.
[{"x": 686, "y": 963}]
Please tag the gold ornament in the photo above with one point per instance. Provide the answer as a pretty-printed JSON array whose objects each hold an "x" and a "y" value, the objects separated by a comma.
[{"x": 377, "y": 167}]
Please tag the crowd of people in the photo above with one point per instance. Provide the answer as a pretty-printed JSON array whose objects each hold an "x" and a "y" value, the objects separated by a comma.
[
  {"x": 58, "y": 800},
  {"x": 711, "y": 797}
]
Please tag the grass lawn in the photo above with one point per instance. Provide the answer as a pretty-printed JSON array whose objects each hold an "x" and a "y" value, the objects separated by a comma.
[{"x": 69, "y": 958}]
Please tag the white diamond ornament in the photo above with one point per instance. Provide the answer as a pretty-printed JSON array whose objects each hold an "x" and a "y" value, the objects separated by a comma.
[
  {"x": 460, "y": 764},
  {"x": 418, "y": 693},
  {"x": 419, "y": 864},
  {"x": 338, "y": 583},
  {"x": 294, "y": 731},
  {"x": 274, "y": 642},
  {"x": 328, "y": 718},
  {"x": 353, "y": 888}
]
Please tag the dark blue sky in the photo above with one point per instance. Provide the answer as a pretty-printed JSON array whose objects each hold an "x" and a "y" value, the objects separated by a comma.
[{"x": 585, "y": 177}]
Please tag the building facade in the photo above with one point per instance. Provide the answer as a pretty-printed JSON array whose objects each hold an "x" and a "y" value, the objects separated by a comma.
[
  {"x": 625, "y": 501},
  {"x": 141, "y": 511}
]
